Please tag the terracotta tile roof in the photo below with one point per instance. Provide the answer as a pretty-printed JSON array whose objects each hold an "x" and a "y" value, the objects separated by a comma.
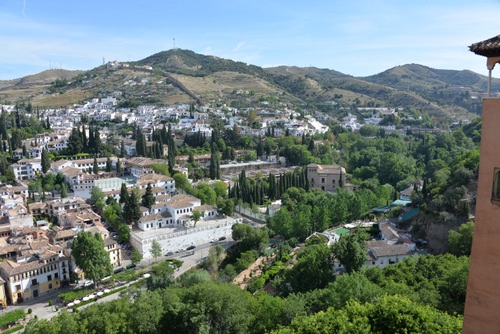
[
  {"x": 70, "y": 172},
  {"x": 59, "y": 163},
  {"x": 155, "y": 177},
  {"x": 205, "y": 207},
  {"x": 381, "y": 248},
  {"x": 150, "y": 218},
  {"x": 109, "y": 241},
  {"x": 487, "y": 48}
]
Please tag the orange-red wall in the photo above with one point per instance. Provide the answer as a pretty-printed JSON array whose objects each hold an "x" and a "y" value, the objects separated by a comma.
[{"x": 482, "y": 306}]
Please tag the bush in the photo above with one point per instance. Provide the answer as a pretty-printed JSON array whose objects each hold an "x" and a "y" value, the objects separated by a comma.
[
  {"x": 51, "y": 303},
  {"x": 30, "y": 311}
]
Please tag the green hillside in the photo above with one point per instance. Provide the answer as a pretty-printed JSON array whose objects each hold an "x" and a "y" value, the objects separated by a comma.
[{"x": 182, "y": 76}]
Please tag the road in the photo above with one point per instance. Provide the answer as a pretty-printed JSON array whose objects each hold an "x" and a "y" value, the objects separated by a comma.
[
  {"x": 43, "y": 311},
  {"x": 200, "y": 255}
]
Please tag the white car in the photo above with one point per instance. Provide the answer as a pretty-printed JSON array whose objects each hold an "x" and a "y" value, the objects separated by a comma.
[
  {"x": 180, "y": 250},
  {"x": 214, "y": 240}
]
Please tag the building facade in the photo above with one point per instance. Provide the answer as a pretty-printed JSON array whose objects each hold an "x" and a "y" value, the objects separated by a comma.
[
  {"x": 482, "y": 305},
  {"x": 326, "y": 178},
  {"x": 31, "y": 277}
]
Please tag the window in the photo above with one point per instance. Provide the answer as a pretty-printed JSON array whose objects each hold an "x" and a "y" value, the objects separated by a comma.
[
  {"x": 495, "y": 195},
  {"x": 34, "y": 282},
  {"x": 49, "y": 278},
  {"x": 56, "y": 275},
  {"x": 50, "y": 286},
  {"x": 322, "y": 180}
]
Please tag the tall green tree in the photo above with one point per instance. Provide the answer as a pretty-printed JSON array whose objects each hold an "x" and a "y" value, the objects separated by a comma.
[
  {"x": 118, "y": 166},
  {"x": 140, "y": 145},
  {"x": 90, "y": 256},
  {"x": 171, "y": 150},
  {"x": 45, "y": 161},
  {"x": 156, "y": 249},
  {"x": 136, "y": 256},
  {"x": 109, "y": 165},
  {"x": 148, "y": 199},
  {"x": 196, "y": 216},
  {"x": 95, "y": 168},
  {"x": 314, "y": 269},
  {"x": 3, "y": 125},
  {"x": 75, "y": 142},
  {"x": 123, "y": 194},
  {"x": 351, "y": 251},
  {"x": 131, "y": 210},
  {"x": 64, "y": 190},
  {"x": 123, "y": 152},
  {"x": 97, "y": 196},
  {"x": 460, "y": 242}
]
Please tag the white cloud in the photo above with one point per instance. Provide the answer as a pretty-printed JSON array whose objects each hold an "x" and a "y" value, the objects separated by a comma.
[{"x": 239, "y": 46}]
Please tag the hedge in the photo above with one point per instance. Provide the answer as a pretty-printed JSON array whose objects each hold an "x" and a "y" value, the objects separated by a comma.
[{"x": 11, "y": 317}]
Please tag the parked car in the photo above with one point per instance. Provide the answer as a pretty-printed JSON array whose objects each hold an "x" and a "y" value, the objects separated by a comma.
[
  {"x": 222, "y": 238},
  {"x": 214, "y": 240},
  {"x": 191, "y": 247},
  {"x": 180, "y": 250},
  {"x": 169, "y": 253}
]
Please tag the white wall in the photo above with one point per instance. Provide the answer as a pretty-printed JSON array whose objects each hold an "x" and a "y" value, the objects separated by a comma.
[{"x": 183, "y": 239}]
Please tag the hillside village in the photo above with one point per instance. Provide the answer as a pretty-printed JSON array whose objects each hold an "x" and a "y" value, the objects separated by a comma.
[{"x": 37, "y": 257}]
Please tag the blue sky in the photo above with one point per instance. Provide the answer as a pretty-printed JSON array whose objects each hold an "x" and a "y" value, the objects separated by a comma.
[{"x": 359, "y": 38}]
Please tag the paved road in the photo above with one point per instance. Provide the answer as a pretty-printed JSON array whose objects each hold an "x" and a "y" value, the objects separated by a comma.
[{"x": 41, "y": 308}]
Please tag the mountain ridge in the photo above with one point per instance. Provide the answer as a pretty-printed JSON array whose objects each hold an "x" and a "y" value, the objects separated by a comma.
[{"x": 185, "y": 75}]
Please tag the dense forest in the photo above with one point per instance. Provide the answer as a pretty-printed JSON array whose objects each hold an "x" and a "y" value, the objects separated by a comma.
[{"x": 422, "y": 294}]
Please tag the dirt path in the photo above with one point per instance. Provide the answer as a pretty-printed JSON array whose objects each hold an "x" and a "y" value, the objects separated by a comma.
[{"x": 254, "y": 269}]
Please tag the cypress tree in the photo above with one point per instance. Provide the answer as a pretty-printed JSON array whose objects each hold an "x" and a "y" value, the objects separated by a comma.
[
  {"x": 97, "y": 141},
  {"x": 86, "y": 141},
  {"x": 123, "y": 153},
  {"x": 148, "y": 199},
  {"x": 311, "y": 146},
  {"x": 123, "y": 194},
  {"x": 64, "y": 190},
  {"x": 3, "y": 125},
  {"x": 307, "y": 185},
  {"x": 171, "y": 150},
  {"x": 109, "y": 165},
  {"x": 118, "y": 166},
  {"x": 45, "y": 161},
  {"x": 95, "y": 168}
]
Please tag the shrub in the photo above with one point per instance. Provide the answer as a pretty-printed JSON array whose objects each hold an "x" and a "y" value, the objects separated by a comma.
[
  {"x": 51, "y": 303},
  {"x": 30, "y": 311},
  {"x": 11, "y": 317}
]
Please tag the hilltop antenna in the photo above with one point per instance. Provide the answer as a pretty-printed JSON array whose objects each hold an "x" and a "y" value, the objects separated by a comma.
[
  {"x": 103, "y": 61},
  {"x": 174, "y": 43}
]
